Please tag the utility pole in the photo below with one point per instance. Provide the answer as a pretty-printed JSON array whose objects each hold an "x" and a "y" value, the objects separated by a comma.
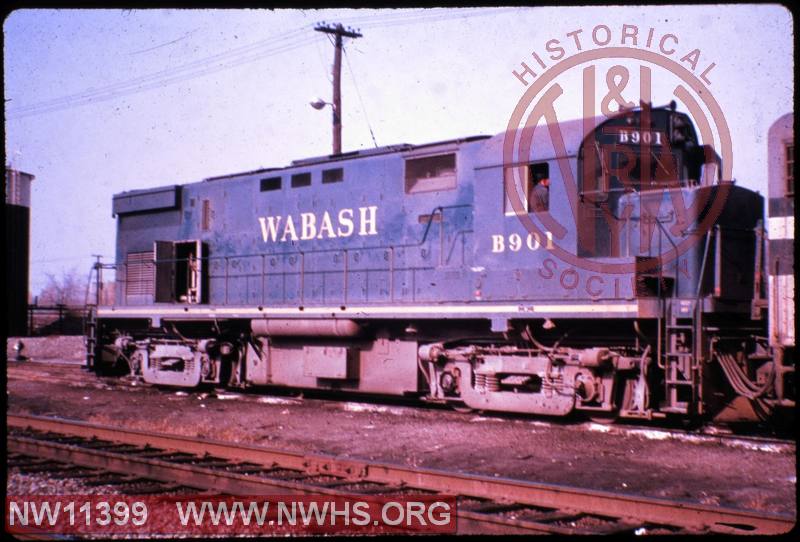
[
  {"x": 98, "y": 267},
  {"x": 340, "y": 32}
]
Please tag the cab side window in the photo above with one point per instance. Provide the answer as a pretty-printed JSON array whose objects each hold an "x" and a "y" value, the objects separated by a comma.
[
  {"x": 540, "y": 187},
  {"x": 531, "y": 185}
]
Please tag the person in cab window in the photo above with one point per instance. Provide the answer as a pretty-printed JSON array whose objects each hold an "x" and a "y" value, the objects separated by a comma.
[{"x": 540, "y": 195}]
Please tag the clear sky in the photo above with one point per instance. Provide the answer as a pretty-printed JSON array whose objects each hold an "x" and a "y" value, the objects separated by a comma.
[{"x": 102, "y": 101}]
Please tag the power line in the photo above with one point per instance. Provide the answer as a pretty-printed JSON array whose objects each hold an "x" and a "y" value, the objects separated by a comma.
[
  {"x": 186, "y": 35},
  {"x": 358, "y": 93},
  {"x": 322, "y": 61},
  {"x": 150, "y": 81},
  {"x": 205, "y": 66},
  {"x": 430, "y": 17},
  {"x": 64, "y": 259},
  {"x": 160, "y": 83},
  {"x": 391, "y": 15},
  {"x": 232, "y": 58}
]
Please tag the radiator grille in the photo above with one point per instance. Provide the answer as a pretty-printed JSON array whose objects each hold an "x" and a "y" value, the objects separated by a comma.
[{"x": 139, "y": 274}]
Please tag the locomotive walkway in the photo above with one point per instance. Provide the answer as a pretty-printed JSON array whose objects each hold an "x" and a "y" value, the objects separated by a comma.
[{"x": 485, "y": 504}]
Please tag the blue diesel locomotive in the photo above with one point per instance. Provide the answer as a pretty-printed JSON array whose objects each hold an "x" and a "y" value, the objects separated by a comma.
[{"x": 612, "y": 273}]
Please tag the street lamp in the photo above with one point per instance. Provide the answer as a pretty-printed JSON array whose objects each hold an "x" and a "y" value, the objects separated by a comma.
[{"x": 319, "y": 103}]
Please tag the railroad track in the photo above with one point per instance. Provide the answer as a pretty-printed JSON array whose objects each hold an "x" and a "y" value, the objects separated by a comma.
[{"x": 485, "y": 504}]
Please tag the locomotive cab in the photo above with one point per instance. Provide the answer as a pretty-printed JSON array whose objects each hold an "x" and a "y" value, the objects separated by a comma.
[{"x": 637, "y": 154}]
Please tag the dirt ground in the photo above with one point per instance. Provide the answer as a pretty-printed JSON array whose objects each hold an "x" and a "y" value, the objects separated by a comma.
[{"x": 646, "y": 461}]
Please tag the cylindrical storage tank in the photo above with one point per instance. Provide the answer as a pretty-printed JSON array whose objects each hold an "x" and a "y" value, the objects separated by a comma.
[
  {"x": 289, "y": 327},
  {"x": 18, "y": 213}
]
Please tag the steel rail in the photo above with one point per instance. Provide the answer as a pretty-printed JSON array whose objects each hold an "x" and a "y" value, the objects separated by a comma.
[{"x": 630, "y": 508}]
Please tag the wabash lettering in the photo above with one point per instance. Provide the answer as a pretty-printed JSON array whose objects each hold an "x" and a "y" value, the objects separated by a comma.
[{"x": 279, "y": 229}]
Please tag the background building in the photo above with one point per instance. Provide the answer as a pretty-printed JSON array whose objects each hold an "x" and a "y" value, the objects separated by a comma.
[{"x": 18, "y": 222}]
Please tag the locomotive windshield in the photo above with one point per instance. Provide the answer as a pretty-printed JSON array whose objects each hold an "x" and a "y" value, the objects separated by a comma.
[
  {"x": 640, "y": 151},
  {"x": 637, "y": 151},
  {"x": 638, "y": 169}
]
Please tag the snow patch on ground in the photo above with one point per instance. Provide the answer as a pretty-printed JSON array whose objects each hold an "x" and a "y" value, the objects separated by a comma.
[
  {"x": 278, "y": 401},
  {"x": 364, "y": 407},
  {"x": 759, "y": 447},
  {"x": 650, "y": 434},
  {"x": 705, "y": 439},
  {"x": 224, "y": 396},
  {"x": 600, "y": 428}
]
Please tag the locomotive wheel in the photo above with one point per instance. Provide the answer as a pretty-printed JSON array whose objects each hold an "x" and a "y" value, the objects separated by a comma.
[
  {"x": 623, "y": 397},
  {"x": 462, "y": 408}
]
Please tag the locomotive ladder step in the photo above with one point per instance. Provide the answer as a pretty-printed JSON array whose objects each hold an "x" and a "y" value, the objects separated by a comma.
[
  {"x": 680, "y": 379},
  {"x": 91, "y": 337}
]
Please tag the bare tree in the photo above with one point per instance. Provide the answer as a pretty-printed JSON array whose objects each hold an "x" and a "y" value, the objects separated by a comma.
[{"x": 68, "y": 289}]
